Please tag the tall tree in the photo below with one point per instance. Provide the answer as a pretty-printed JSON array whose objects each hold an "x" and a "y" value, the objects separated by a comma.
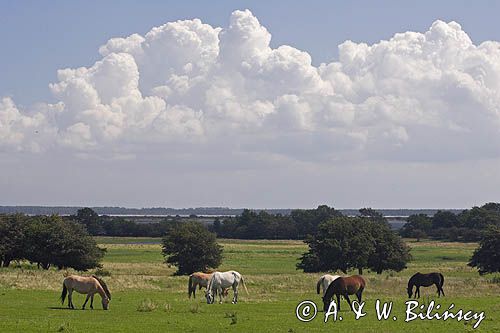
[
  {"x": 12, "y": 238},
  {"x": 390, "y": 252},
  {"x": 342, "y": 243},
  {"x": 444, "y": 219},
  {"x": 65, "y": 244},
  {"x": 192, "y": 248},
  {"x": 417, "y": 226},
  {"x": 91, "y": 220},
  {"x": 346, "y": 243},
  {"x": 372, "y": 214},
  {"x": 487, "y": 256}
]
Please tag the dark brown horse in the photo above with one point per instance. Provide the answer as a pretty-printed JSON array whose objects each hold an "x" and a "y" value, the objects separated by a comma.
[
  {"x": 345, "y": 286},
  {"x": 425, "y": 280}
]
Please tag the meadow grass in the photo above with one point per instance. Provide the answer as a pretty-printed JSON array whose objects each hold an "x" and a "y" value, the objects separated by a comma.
[{"x": 147, "y": 297}]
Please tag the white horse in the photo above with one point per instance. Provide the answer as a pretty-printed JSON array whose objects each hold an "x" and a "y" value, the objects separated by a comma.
[
  {"x": 200, "y": 279},
  {"x": 89, "y": 285},
  {"x": 221, "y": 280},
  {"x": 324, "y": 281}
]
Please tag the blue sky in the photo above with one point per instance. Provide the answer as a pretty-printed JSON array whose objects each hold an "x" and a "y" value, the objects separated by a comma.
[
  {"x": 40, "y": 37},
  {"x": 385, "y": 104}
]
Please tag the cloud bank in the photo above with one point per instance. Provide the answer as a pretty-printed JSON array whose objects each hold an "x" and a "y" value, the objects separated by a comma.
[{"x": 190, "y": 87}]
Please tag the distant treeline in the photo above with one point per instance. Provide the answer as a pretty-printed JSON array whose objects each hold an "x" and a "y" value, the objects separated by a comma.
[
  {"x": 249, "y": 225},
  {"x": 468, "y": 225},
  {"x": 214, "y": 211}
]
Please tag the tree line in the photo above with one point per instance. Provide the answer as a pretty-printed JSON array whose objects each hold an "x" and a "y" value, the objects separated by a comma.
[
  {"x": 47, "y": 241},
  {"x": 468, "y": 225}
]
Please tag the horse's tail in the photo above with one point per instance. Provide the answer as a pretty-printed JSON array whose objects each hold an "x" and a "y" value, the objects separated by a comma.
[
  {"x": 63, "y": 294},
  {"x": 442, "y": 280},
  {"x": 190, "y": 285},
  {"x": 244, "y": 285},
  {"x": 318, "y": 285},
  {"x": 103, "y": 285}
]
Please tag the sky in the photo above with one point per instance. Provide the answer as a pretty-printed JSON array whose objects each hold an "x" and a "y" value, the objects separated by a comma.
[{"x": 276, "y": 104}]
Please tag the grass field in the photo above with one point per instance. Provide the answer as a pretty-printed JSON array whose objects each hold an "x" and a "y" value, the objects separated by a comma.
[{"x": 147, "y": 297}]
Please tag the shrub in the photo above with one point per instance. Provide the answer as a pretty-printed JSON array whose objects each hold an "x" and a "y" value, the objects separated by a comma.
[{"x": 147, "y": 305}]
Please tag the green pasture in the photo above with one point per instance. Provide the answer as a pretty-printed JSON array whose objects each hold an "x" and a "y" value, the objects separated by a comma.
[{"x": 147, "y": 297}]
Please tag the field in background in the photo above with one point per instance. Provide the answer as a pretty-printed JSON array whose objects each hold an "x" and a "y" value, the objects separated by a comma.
[{"x": 139, "y": 280}]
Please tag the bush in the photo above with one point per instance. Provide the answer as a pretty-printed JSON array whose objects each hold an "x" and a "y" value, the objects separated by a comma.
[
  {"x": 147, "y": 305},
  {"x": 191, "y": 247}
]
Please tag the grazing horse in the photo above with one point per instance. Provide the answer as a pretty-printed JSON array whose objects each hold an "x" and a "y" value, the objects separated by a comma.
[
  {"x": 324, "y": 281},
  {"x": 425, "y": 280},
  {"x": 89, "y": 285},
  {"x": 344, "y": 286},
  {"x": 201, "y": 279},
  {"x": 221, "y": 280}
]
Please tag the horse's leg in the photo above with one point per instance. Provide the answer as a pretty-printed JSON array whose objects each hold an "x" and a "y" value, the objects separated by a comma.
[
  {"x": 86, "y": 300},
  {"x": 219, "y": 291},
  {"x": 70, "y": 299},
  {"x": 442, "y": 291},
  {"x": 418, "y": 290},
  {"x": 338, "y": 302},
  {"x": 92, "y": 302},
  {"x": 235, "y": 296},
  {"x": 359, "y": 294},
  {"x": 348, "y": 300}
]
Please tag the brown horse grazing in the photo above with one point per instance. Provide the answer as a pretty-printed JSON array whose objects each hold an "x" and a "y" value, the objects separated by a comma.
[
  {"x": 425, "y": 280},
  {"x": 89, "y": 285},
  {"x": 201, "y": 279},
  {"x": 345, "y": 286}
]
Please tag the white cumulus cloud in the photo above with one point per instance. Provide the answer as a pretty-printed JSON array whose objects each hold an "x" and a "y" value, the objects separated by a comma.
[{"x": 417, "y": 96}]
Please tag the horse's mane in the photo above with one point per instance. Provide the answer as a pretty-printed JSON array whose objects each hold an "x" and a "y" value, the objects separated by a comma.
[{"x": 103, "y": 285}]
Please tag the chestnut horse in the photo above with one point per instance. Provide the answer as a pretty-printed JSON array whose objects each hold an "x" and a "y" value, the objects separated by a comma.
[
  {"x": 425, "y": 280},
  {"x": 345, "y": 286}
]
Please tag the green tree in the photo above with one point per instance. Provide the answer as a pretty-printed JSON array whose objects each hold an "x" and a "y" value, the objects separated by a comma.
[
  {"x": 444, "y": 219},
  {"x": 12, "y": 239},
  {"x": 487, "y": 256},
  {"x": 372, "y": 215},
  {"x": 308, "y": 220},
  {"x": 417, "y": 226},
  {"x": 346, "y": 243},
  {"x": 341, "y": 243},
  {"x": 480, "y": 218},
  {"x": 52, "y": 241},
  {"x": 390, "y": 252},
  {"x": 192, "y": 248},
  {"x": 91, "y": 220}
]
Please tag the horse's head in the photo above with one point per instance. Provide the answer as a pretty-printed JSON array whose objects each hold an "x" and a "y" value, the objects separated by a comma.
[
  {"x": 326, "y": 304},
  {"x": 410, "y": 291},
  {"x": 105, "y": 303},
  {"x": 210, "y": 297}
]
